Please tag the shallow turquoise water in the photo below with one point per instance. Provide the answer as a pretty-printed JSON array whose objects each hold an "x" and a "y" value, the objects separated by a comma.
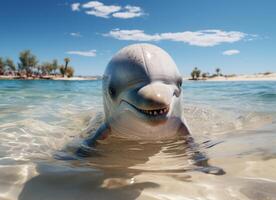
[{"x": 232, "y": 122}]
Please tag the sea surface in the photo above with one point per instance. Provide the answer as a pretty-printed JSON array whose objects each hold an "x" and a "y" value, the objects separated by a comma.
[{"x": 42, "y": 123}]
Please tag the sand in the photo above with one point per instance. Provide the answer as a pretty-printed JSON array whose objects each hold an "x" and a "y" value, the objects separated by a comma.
[
  {"x": 253, "y": 77},
  {"x": 248, "y": 77},
  {"x": 76, "y": 78}
]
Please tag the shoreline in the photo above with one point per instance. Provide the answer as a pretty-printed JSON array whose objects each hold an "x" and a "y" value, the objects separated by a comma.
[
  {"x": 55, "y": 78},
  {"x": 250, "y": 77}
]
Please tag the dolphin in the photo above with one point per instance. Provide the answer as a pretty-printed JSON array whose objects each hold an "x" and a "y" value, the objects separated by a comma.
[{"x": 142, "y": 96}]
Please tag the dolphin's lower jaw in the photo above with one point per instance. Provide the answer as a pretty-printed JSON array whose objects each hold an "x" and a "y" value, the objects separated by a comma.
[{"x": 150, "y": 114}]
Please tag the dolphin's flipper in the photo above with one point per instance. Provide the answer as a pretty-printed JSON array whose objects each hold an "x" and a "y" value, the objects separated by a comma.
[
  {"x": 88, "y": 144},
  {"x": 200, "y": 160},
  {"x": 184, "y": 129}
]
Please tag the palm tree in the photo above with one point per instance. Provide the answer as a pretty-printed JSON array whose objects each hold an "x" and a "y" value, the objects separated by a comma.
[
  {"x": 218, "y": 71},
  {"x": 9, "y": 63},
  {"x": 39, "y": 68},
  {"x": 61, "y": 70},
  {"x": 2, "y": 66},
  {"x": 66, "y": 60},
  {"x": 70, "y": 71},
  {"x": 198, "y": 72},
  {"x": 55, "y": 66},
  {"x": 195, "y": 73},
  {"x": 47, "y": 68},
  {"x": 27, "y": 61}
]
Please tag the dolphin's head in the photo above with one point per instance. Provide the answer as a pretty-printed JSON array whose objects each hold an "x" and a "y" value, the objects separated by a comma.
[{"x": 142, "y": 83}]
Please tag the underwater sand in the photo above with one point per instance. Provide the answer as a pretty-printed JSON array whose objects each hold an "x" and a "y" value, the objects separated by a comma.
[{"x": 42, "y": 124}]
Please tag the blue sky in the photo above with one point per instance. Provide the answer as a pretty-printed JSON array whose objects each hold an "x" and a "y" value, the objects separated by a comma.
[{"x": 237, "y": 36}]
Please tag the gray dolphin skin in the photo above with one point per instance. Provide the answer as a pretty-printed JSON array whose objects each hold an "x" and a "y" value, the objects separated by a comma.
[{"x": 142, "y": 96}]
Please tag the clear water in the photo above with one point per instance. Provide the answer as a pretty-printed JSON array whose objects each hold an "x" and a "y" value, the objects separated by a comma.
[{"x": 43, "y": 122}]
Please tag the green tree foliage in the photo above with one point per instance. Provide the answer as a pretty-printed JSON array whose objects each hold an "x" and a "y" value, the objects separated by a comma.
[
  {"x": 27, "y": 62},
  {"x": 195, "y": 73},
  {"x": 66, "y": 60},
  {"x": 28, "y": 65},
  {"x": 205, "y": 75},
  {"x": 2, "y": 66},
  {"x": 218, "y": 71},
  {"x": 47, "y": 68},
  {"x": 62, "y": 70},
  {"x": 70, "y": 71},
  {"x": 9, "y": 63},
  {"x": 55, "y": 66}
]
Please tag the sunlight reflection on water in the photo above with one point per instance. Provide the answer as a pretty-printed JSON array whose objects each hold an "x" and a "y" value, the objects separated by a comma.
[{"x": 233, "y": 126}]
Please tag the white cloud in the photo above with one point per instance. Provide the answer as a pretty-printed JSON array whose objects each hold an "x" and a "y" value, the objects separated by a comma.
[
  {"x": 129, "y": 12},
  {"x": 135, "y": 35},
  {"x": 76, "y": 34},
  {"x": 203, "y": 38},
  {"x": 230, "y": 52},
  {"x": 90, "y": 53},
  {"x": 99, "y": 9},
  {"x": 75, "y": 7}
]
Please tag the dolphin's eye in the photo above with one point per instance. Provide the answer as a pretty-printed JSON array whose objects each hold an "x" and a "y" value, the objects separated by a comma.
[
  {"x": 178, "y": 90},
  {"x": 179, "y": 83},
  {"x": 112, "y": 91}
]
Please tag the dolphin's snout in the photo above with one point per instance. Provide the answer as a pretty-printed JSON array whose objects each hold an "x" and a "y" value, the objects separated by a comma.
[{"x": 156, "y": 95}]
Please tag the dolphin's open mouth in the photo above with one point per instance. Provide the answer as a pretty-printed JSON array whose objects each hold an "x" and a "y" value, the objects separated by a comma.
[
  {"x": 155, "y": 112},
  {"x": 151, "y": 112}
]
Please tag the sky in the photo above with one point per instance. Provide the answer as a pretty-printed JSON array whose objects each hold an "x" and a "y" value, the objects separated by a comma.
[{"x": 236, "y": 36}]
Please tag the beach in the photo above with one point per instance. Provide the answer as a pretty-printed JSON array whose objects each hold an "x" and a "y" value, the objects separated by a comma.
[
  {"x": 243, "y": 77},
  {"x": 75, "y": 78},
  {"x": 246, "y": 77},
  {"x": 42, "y": 124},
  {"x": 252, "y": 77}
]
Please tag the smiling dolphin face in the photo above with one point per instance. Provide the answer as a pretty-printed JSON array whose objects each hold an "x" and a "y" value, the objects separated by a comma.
[{"x": 142, "y": 93}]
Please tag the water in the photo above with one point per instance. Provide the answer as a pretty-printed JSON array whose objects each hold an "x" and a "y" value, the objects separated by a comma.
[{"x": 43, "y": 122}]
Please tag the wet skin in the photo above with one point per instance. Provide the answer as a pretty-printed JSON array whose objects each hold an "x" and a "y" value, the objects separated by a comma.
[{"x": 142, "y": 98}]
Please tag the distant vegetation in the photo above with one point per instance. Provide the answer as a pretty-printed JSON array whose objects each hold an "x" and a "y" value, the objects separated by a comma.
[
  {"x": 267, "y": 73},
  {"x": 29, "y": 67},
  {"x": 196, "y": 74}
]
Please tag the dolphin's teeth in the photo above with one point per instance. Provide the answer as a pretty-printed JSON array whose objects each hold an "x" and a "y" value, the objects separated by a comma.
[{"x": 155, "y": 112}]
